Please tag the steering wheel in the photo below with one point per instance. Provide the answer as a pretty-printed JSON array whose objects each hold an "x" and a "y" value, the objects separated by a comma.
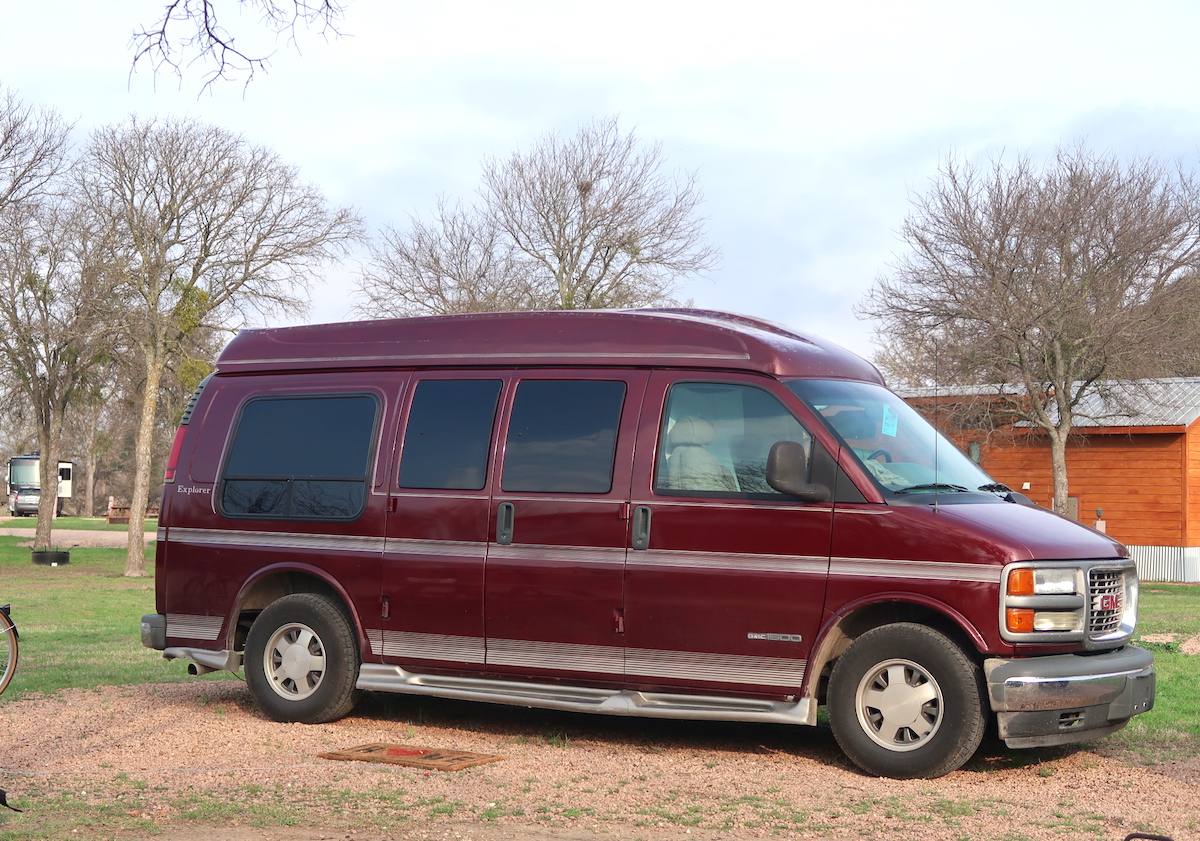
[{"x": 887, "y": 457}]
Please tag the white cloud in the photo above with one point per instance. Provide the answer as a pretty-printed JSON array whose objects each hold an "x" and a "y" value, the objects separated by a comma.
[{"x": 808, "y": 123}]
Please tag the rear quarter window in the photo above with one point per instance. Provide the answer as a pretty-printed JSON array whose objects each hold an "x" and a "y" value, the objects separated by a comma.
[{"x": 300, "y": 458}]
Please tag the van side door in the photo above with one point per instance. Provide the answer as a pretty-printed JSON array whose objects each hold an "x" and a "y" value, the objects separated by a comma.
[
  {"x": 559, "y": 525},
  {"x": 437, "y": 525},
  {"x": 726, "y": 577}
]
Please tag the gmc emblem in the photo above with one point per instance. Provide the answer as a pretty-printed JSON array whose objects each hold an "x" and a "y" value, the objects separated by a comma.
[{"x": 1108, "y": 601}]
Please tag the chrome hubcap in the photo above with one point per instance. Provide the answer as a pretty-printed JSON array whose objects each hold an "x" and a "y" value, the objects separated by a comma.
[
  {"x": 294, "y": 661},
  {"x": 899, "y": 705}
]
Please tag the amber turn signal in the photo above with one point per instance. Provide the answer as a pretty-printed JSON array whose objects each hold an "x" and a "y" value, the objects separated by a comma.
[
  {"x": 1021, "y": 582},
  {"x": 1018, "y": 620}
]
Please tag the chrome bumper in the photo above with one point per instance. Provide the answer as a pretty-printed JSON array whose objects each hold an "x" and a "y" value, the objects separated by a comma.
[{"x": 1067, "y": 698}]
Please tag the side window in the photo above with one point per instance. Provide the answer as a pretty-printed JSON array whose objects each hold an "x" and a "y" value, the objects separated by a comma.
[
  {"x": 562, "y": 436},
  {"x": 449, "y": 434},
  {"x": 300, "y": 458},
  {"x": 716, "y": 438}
]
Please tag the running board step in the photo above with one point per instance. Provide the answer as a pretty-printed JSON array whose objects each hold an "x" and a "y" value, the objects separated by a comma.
[{"x": 381, "y": 678}]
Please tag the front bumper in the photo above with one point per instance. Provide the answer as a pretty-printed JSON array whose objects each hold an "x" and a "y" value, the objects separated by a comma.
[{"x": 1066, "y": 698}]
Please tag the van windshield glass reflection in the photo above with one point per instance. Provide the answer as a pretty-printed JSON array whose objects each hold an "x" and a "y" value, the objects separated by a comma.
[{"x": 898, "y": 447}]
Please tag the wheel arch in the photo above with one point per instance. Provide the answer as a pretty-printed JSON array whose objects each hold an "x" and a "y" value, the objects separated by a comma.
[
  {"x": 272, "y": 583},
  {"x": 856, "y": 618}
]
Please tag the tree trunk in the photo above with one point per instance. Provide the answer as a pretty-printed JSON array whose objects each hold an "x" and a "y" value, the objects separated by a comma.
[
  {"x": 89, "y": 465},
  {"x": 1058, "y": 468},
  {"x": 89, "y": 487},
  {"x": 48, "y": 479},
  {"x": 135, "y": 560},
  {"x": 49, "y": 435}
]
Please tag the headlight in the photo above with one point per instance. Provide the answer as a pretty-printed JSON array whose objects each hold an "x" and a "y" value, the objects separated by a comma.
[
  {"x": 1094, "y": 602},
  {"x": 1055, "y": 581},
  {"x": 1043, "y": 603}
]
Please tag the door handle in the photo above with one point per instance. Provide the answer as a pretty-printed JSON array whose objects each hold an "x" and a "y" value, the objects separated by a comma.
[
  {"x": 641, "y": 527},
  {"x": 505, "y": 517}
]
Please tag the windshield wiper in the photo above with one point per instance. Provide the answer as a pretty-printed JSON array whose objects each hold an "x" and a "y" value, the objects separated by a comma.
[
  {"x": 996, "y": 487},
  {"x": 934, "y": 486}
]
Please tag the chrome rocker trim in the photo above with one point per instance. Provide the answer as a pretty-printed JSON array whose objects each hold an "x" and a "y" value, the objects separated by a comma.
[{"x": 383, "y": 678}]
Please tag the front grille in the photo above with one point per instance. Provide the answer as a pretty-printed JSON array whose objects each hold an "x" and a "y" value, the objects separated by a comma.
[{"x": 1106, "y": 593}]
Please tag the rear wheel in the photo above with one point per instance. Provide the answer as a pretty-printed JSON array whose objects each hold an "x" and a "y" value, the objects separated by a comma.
[
  {"x": 905, "y": 701},
  {"x": 302, "y": 660}
]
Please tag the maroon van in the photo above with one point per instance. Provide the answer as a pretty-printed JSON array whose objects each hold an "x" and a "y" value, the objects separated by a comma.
[{"x": 665, "y": 513}]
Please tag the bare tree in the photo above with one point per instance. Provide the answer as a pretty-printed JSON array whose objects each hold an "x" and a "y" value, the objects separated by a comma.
[
  {"x": 459, "y": 262},
  {"x": 207, "y": 231},
  {"x": 587, "y": 222},
  {"x": 54, "y": 325},
  {"x": 190, "y": 32},
  {"x": 32, "y": 145},
  {"x": 1046, "y": 283}
]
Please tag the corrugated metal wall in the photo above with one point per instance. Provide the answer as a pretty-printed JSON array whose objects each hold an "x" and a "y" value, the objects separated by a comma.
[{"x": 1167, "y": 563}]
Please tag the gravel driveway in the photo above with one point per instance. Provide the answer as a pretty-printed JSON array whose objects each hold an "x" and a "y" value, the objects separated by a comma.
[
  {"x": 178, "y": 760},
  {"x": 71, "y": 538}
]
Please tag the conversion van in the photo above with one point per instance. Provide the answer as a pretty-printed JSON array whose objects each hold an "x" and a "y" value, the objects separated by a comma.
[{"x": 664, "y": 513}]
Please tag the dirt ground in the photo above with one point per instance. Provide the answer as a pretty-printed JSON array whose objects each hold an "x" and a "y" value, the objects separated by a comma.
[
  {"x": 192, "y": 761},
  {"x": 71, "y": 538}
]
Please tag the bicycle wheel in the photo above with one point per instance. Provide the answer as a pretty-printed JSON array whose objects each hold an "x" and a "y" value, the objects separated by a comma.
[{"x": 8, "y": 648}]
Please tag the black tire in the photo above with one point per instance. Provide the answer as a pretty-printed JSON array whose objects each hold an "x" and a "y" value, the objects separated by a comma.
[
  {"x": 302, "y": 660},
  {"x": 932, "y": 718}
]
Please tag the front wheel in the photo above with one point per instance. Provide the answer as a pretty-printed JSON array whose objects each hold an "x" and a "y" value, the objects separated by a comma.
[
  {"x": 905, "y": 701},
  {"x": 302, "y": 660}
]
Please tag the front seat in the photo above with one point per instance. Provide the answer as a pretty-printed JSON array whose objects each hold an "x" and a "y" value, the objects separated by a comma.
[{"x": 691, "y": 466}]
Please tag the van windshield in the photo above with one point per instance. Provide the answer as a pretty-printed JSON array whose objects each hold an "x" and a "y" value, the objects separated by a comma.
[{"x": 898, "y": 447}]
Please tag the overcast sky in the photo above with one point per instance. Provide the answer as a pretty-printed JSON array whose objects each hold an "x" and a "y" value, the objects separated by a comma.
[{"x": 808, "y": 125}]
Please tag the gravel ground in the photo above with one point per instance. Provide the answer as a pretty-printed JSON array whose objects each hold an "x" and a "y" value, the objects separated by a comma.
[
  {"x": 70, "y": 538},
  {"x": 192, "y": 761},
  {"x": 195, "y": 762}
]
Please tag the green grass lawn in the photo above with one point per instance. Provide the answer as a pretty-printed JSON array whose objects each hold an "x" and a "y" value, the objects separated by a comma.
[
  {"x": 79, "y": 623},
  {"x": 1172, "y": 729}
]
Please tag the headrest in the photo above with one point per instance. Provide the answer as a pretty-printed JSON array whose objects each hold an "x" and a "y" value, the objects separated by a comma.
[
  {"x": 690, "y": 429},
  {"x": 852, "y": 423}
]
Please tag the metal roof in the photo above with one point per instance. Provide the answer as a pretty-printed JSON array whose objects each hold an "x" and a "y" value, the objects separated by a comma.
[
  {"x": 1172, "y": 401},
  {"x": 1169, "y": 401}
]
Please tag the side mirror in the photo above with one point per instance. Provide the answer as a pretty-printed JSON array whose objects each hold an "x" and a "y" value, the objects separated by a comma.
[{"x": 787, "y": 472}]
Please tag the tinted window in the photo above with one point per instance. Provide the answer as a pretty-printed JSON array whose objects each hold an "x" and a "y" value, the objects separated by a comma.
[
  {"x": 301, "y": 458},
  {"x": 717, "y": 436},
  {"x": 562, "y": 436},
  {"x": 448, "y": 435}
]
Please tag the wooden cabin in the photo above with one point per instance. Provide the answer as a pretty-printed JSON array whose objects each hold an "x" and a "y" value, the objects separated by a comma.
[{"x": 1133, "y": 465}]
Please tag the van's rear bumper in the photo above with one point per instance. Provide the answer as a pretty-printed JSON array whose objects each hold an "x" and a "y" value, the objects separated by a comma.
[
  {"x": 1067, "y": 698},
  {"x": 154, "y": 631}
]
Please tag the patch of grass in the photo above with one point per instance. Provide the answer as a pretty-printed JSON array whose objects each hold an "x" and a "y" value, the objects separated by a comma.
[
  {"x": 52, "y": 814},
  {"x": 80, "y": 623},
  {"x": 1169, "y": 609},
  {"x": 1172, "y": 729}
]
